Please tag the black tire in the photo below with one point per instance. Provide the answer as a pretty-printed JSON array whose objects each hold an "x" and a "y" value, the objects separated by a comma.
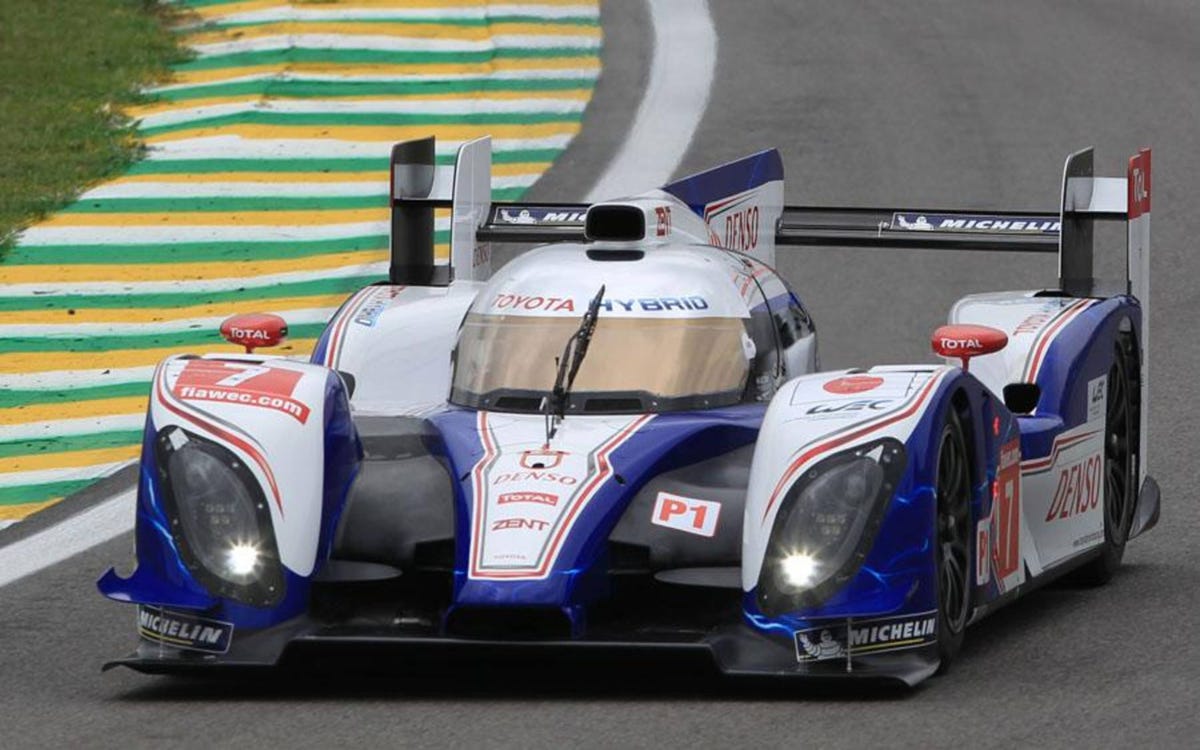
[
  {"x": 953, "y": 528},
  {"x": 1120, "y": 467}
]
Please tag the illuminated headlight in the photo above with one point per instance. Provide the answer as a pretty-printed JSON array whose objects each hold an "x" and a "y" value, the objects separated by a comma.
[
  {"x": 219, "y": 518},
  {"x": 826, "y": 525}
]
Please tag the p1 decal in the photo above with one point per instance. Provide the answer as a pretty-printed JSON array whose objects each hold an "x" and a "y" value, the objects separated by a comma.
[
  {"x": 688, "y": 514},
  {"x": 841, "y": 641},
  {"x": 1097, "y": 396},
  {"x": 241, "y": 383},
  {"x": 183, "y": 630}
]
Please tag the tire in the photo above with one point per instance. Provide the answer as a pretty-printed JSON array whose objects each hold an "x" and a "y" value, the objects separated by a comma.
[
  {"x": 1120, "y": 467},
  {"x": 953, "y": 529}
]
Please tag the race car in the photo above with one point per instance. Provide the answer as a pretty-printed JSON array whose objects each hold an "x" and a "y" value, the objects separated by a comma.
[{"x": 622, "y": 440}]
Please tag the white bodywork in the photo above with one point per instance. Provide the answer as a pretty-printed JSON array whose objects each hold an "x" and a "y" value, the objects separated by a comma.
[
  {"x": 815, "y": 416},
  {"x": 284, "y": 401}
]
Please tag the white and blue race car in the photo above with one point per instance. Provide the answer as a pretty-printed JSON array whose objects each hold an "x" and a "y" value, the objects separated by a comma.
[{"x": 622, "y": 440}]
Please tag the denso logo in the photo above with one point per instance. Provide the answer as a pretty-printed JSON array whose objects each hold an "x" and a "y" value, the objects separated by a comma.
[
  {"x": 1078, "y": 489},
  {"x": 542, "y": 498},
  {"x": 530, "y": 302},
  {"x": 535, "y": 476},
  {"x": 848, "y": 406},
  {"x": 529, "y": 524},
  {"x": 741, "y": 229}
]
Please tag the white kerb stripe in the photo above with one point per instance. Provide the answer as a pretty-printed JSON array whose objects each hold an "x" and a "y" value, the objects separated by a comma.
[
  {"x": 681, "y": 76},
  {"x": 79, "y": 533}
]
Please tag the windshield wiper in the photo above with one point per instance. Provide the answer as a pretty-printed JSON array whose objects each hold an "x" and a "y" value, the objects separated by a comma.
[{"x": 555, "y": 405}]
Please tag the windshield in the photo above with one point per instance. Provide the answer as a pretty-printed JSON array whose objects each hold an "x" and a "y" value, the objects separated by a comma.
[{"x": 507, "y": 363}]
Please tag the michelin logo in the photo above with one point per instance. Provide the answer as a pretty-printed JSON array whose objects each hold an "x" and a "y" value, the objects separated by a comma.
[
  {"x": 910, "y": 222},
  {"x": 866, "y": 637},
  {"x": 539, "y": 216},
  {"x": 184, "y": 631}
]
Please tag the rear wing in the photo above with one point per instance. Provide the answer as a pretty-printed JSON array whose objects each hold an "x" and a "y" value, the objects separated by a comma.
[{"x": 1068, "y": 232}]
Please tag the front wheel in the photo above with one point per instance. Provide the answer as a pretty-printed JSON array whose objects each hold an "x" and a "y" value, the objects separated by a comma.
[{"x": 953, "y": 487}]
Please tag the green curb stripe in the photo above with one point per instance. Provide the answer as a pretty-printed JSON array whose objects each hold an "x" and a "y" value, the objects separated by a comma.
[
  {"x": 228, "y": 204},
  {"x": 306, "y": 89},
  {"x": 13, "y": 398},
  {"x": 37, "y": 493},
  {"x": 68, "y": 443},
  {"x": 185, "y": 297},
  {"x": 213, "y": 166},
  {"x": 378, "y": 57},
  {"x": 195, "y": 252},
  {"x": 78, "y": 343},
  {"x": 378, "y": 119}
]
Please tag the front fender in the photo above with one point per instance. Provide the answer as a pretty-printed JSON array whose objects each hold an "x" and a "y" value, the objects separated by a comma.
[{"x": 287, "y": 426}]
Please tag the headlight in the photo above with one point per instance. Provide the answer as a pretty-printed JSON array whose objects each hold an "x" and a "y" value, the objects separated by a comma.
[
  {"x": 827, "y": 524},
  {"x": 219, "y": 518}
]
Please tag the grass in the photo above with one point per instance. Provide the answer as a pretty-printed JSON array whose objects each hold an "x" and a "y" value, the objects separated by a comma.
[{"x": 66, "y": 69}]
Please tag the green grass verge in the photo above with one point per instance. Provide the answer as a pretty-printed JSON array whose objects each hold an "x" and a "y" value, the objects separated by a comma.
[{"x": 66, "y": 67}]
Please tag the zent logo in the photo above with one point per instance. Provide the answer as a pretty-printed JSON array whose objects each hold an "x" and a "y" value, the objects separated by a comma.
[
  {"x": 530, "y": 524},
  {"x": 686, "y": 514},
  {"x": 853, "y": 384}
]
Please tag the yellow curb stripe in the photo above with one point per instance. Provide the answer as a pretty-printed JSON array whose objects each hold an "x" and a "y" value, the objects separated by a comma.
[
  {"x": 388, "y": 133},
  {"x": 398, "y": 29},
  {"x": 71, "y": 459},
  {"x": 145, "y": 110},
  {"x": 27, "y": 362},
  {"x": 580, "y": 62},
  {"x": 75, "y": 410},
  {"x": 164, "y": 314},
  {"x": 24, "y": 510},
  {"x": 183, "y": 272},
  {"x": 218, "y": 218},
  {"x": 498, "y": 170}
]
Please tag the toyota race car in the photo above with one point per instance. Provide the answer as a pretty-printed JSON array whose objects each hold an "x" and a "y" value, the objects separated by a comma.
[{"x": 622, "y": 440}]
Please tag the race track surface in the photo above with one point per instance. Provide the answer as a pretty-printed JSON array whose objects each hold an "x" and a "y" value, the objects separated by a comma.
[{"x": 953, "y": 103}]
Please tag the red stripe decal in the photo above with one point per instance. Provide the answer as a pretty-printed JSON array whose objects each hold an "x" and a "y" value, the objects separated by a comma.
[
  {"x": 829, "y": 445},
  {"x": 565, "y": 523},
  {"x": 1047, "y": 336},
  {"x": 224, "y": 435}
]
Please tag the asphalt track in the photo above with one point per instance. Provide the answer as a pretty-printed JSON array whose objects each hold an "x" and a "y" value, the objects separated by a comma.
[{"x": 940, "y": 103}]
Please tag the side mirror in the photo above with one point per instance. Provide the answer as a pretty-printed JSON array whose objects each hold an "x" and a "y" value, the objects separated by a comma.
[
  {"x": 253, "y": 330},
  {"x": 966, "y": 341}
]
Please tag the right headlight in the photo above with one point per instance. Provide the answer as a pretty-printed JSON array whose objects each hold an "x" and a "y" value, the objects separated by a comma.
[
  {"x": 219, "y": 518},
  {"x": 826, "y": 525}
]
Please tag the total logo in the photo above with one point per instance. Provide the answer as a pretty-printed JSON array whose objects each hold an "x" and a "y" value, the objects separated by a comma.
[
  {"x": 541, "y": 498},
  {"x": 249, "y": 334},
  {"x": 961, "y": 344}
]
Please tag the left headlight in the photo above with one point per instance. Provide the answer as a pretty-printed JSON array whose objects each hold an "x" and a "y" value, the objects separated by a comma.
[
  {"x": 219, "y": 518},
  {"x": 827, "y": 524}
]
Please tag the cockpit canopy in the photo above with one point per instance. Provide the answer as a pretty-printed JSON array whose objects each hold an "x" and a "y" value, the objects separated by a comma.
[{"x": 674, "y": 332}]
